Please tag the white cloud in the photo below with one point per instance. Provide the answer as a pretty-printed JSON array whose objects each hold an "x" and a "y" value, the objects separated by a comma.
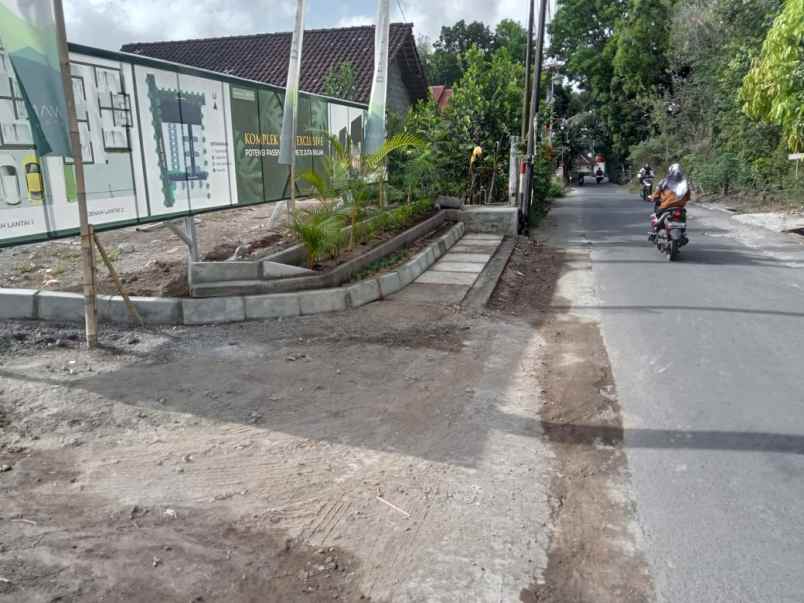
[
  {"x": 110, "y": 23},
  {"x": 355, "y": 20}
]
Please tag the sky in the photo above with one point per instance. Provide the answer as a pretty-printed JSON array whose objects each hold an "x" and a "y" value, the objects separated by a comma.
[{"x": 111, "y": 23}]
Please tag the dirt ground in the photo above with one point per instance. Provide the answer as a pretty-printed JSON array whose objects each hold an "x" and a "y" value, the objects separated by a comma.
[
  {"x": 398, "y": 452},
  {"x": 752, "y": 202},
  {"x": 150, "y": 262},
  {"x": 595, "y": 549}
]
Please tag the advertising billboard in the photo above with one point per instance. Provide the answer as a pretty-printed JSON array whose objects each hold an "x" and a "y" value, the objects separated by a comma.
[{"x": 158, "y": 141}]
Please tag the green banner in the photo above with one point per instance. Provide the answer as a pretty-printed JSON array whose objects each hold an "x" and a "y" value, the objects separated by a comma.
[{"x": 28, "y": 36}]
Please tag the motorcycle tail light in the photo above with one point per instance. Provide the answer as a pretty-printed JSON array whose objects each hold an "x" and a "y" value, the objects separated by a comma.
[{"x": 678, "y": 213}]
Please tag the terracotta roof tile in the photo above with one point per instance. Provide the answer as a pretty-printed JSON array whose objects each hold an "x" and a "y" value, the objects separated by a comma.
[{"x": 264, "y": 57}]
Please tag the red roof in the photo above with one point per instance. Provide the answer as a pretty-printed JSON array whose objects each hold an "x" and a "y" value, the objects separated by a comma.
[
  {"x": 264, "y": 57},
  {"x": 441, "y": 95}
]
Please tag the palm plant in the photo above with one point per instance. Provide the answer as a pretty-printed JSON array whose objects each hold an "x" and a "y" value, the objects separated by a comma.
[
  {"x": 354, "y": 180},
  {"x": 319, "y": 230}
]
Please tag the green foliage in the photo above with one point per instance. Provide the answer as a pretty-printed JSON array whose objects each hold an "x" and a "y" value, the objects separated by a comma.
[
  {"x": 509, "y": 34},
  {"x": 668, "y": 80},
  {"x": 318, "y": 229},
  {"x": 715, "y": 174},
  {"x": 341, "y": 81},
  {"x": 446, "y": 63},
  {"x": 773, "y": 90},
  {"x": 484, "y": 111},
  {"x": 642, "y": 41}
]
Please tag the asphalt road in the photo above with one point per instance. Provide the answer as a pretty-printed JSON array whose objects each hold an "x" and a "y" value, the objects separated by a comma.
[{"x": 708, "y": 358}]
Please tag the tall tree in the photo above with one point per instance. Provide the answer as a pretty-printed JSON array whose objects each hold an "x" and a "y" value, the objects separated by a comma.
[
  {"x": 774, "y": 88},
  {"x": 446, "y": 61},
  {"x": 511, "y": 35}
]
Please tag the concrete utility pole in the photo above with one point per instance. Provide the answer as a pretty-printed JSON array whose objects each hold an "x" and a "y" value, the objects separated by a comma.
[
  {"x": 514, "y": 170},
  {"x": 528, "y": 67},
  {"x": 87, "y": 250},
  {"x": 524, "y": 209}
]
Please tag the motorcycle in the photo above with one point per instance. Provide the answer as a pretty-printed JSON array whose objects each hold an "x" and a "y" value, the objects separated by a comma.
[
  {"x": 647, "y": 187},
  {"x": 670, "y": 231},
  {"x": 599, "y": 176},
  {"x": 579, "y": 180}
]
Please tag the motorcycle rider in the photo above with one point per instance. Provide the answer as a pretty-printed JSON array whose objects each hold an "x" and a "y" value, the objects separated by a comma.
[
  {"x": 673, "y": 191},
  {"x": 645, "y": 172}
]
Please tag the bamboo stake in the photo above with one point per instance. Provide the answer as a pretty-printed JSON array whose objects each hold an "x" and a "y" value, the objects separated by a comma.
[
  {"x": 133, "y": 313},
  {"x": 87, "y": 257}
]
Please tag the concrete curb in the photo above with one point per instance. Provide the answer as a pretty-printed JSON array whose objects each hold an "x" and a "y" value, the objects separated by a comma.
[
  {"x": 33, "y": 304},
  {"x": 480, "y": 293}
]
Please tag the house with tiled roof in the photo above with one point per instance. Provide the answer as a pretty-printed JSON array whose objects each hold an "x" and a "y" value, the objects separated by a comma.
[
  {"x": 441, "y": 95},
  {"x": 264, "y": 58}
]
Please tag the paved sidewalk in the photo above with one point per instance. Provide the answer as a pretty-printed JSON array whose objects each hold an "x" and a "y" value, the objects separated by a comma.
[{"x": 449, "y": 280}]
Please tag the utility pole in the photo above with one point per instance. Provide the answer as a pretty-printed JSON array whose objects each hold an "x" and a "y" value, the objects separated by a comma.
[
  {"x": 525, "y": 99},
  {"x": 528, "y": 67},
  {"x": 87, "y": 251},
  {"x": 524, "y": 209}
]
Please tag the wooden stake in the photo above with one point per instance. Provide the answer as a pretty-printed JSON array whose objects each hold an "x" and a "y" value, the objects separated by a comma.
[
  {"x": 133, "y": 314},
  {"x": 87, "y": 257}
]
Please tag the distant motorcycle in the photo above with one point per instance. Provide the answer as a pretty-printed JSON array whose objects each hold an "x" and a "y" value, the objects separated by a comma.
[
  {"x": 599, "y": 176},
  {"x": 669, "y": 231},
  {"x": 647, "y": 187}
]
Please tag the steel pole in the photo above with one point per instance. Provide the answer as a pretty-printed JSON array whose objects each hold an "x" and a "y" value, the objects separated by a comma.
[{"x": 87, "y": 253}]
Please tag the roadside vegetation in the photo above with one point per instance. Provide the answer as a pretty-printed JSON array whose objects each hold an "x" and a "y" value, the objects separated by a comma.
[{"x": 715, "y": 84}]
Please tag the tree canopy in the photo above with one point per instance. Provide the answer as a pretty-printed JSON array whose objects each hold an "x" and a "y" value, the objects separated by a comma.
[{"x": 774, "y": 88}]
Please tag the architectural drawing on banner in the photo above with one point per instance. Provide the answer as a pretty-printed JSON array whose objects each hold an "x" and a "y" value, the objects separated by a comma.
[
  {"x": 178, "y": 126},
  {"x": 21, "y": 181},
  {"x": 156, "y": 143},
  {"x": 185, "y": 124},
  {"x": 105, "y": 123}
]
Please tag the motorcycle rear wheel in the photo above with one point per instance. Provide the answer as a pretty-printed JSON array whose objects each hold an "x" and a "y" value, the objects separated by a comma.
[{"x": 672, "y": 251}]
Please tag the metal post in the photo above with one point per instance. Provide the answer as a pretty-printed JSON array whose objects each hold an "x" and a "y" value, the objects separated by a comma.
[
  {"x": 192, "y": 246},
  {"x": 534, "y": 111},
  {"x": 87, "y": 255}
]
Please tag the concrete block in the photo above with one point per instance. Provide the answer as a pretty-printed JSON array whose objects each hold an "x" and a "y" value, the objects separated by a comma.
[
  {"x": 213, "y": 309},
  {"x": 213, "y": 272},
  {"x": 55, "y": 305},
  {"x": 451, "y": 238},
  {"x": 495, "y": 220},
  {"x": 456, "y": 256},
  {"x": 435, "y": 277},
  {"x": 419, "y": 264},
  {"x": 445, "y": 266},
  {"x": 433, "y": 253},
  {"x": 274, "y": 305},
  {"x": 17, "y": 303},
  {"x": 364, "y": 292},
  {"x": 406, "y": 275},
  {"x": 278, "y": 270},
  {"x": 389, "y": 284},
  {"x": 444, "y": 202},
  {"x": 153, "y": 310},
  {"x": 322, "y": 300}
]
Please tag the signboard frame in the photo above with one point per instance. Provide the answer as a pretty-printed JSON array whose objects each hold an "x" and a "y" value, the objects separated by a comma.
[{"x": 129, "y": 102}]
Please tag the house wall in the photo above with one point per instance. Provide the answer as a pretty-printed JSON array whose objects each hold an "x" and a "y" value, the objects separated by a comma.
[{"x": 398, "y": 96}]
